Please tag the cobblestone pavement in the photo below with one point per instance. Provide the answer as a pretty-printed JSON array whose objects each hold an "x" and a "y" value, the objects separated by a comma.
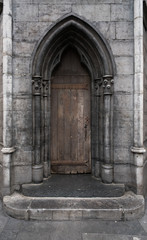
[{"x": 13, "y": 229}]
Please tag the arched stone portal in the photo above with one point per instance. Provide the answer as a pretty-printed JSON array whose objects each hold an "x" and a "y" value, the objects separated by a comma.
[{"x": 95, "y": 54}]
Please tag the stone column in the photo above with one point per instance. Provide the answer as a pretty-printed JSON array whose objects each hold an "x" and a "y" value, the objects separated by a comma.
[
  {"x": 107, "y": 168},
  {"x": 45, "y": 128},
  {"x": 97, "y": 85},
  {"x": 37, "y": 167},
  {"x": 8, "y": 148},
  {"x": 138, "y": 148}
]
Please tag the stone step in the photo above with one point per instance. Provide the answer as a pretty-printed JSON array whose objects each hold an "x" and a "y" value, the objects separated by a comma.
[{"x": 127, "y": 207}]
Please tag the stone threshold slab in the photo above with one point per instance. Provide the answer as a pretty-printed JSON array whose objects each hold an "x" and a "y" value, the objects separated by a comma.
[
  {"x": 97, "y": 236},
  {"x": 127, "y": 207},
  {"x": 73, "y": 186}
]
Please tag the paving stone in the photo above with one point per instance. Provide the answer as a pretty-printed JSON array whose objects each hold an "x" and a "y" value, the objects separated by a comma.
[
  {"x": 143, "y": 220},
  {"x": 32, "y": 236},
  {"x": 3, "y": 222},
  {"x": 13, "y": 225},
  {"x": 8, "y": 235},
  {"x": 113, "y": 227},
  {"x": 96, "y": 236}
]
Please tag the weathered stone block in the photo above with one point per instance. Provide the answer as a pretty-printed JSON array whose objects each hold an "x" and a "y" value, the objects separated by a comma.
[
  {"x": 22, "y": 103},
  {"x": 94, "y": 13},
  {"x": 121, "y": 12},
  {"x": 124, "y": 83},
  {"x": 20, "y": 30},
  {"x": 75, "y": 215},
  {"x": 22, "y": 137},
  {"x": 138, "y": 64},
  {"x": 122, "y": 155},
  {"x": 123, "y": 117},
  {"x": 22, "y": 118},
  {"x": 22, "y": 85},
  {"x": 7, "y": 30},
  {"x": 124, "y": 65},
  {"x": 121, "y": 102},
  {"x": 21, "y": 174},
  {"x": 26, "y": 12},
  {"x": 107, "y": 29},
  {"x": 22, "y": 157},
  {"x": 23, "y": 49},
  {"x": 124, "y": 30},
  {"x": 36, "y": 30},
  {"x": 122, "y": 173},
  {"x": 122, "y": 48},
  {"x": 1, "y": 177},
  {"x": 50, "y": 13},
  {"x": 145, "y": 177},
  {"x": 36, "y": 213},
  {"x": 21, "y": 66},
  {"x": 123, "y": 136},
  {"x": 7, "y": 61},
  {"x": 7, "y": 47},
  {"x": 60, "y": 215}
]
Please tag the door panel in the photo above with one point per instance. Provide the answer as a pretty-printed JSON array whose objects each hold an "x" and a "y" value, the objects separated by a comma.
[{"x": 70, "y": 117}]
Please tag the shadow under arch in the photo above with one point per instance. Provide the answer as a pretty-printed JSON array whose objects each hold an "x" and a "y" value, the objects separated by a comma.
[
  {"x": 94, "y": 51},
  {"x": 96, "y": 55}
]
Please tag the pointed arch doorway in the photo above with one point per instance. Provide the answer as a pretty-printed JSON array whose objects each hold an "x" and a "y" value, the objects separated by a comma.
[
  {"x": 72, "y": 60},
  {"x": 70, "y": 116}
]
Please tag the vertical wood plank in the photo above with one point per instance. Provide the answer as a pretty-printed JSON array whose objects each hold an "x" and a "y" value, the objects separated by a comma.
[
  {"x": 54, "y": 130},
  {"x": 70, "y": 113}
]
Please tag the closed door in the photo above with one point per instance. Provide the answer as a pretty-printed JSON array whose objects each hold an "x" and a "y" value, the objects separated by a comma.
[{"x": 70, "y": 116}]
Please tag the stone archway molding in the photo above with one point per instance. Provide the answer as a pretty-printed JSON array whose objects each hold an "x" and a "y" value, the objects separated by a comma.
[{"x": 75, "y": 30}]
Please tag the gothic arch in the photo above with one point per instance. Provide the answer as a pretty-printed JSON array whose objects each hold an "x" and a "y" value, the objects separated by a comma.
[
  {"x": 71, "y": 30},
  {"x": 96, "y": 55}
]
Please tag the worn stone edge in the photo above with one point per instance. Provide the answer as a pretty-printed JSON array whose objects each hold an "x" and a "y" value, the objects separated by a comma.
[{"x": 28, "y": 213}]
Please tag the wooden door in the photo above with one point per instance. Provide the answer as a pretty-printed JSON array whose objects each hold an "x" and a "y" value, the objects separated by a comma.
[{"x": 70, "y": 116}]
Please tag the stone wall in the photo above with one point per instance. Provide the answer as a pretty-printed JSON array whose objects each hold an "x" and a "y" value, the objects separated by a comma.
[
  {"x": 1, "y": 101},
  {"x": 31, "y": 20},
  {"x": 145, "y": 108}
]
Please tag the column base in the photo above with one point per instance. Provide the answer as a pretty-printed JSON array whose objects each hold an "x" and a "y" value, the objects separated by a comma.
[
  {"x": 45, "y": 169},
  {"x": 97, "y": 170},
  {"x": 107, "y": 173},
  {"x": 37, "y": 173}
]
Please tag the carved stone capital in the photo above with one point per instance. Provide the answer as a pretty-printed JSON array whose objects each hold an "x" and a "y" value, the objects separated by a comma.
[
  {"x": 108, "y": 84},
  {"x": 37, "y": 84},
  {"x": 8, "y": 150},
  {"x": 45, "y": 84},
  {"x": 97, "y": 83}
]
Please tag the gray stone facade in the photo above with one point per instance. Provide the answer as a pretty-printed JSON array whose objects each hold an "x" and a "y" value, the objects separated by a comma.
[{"x": 28, "y": 24}]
